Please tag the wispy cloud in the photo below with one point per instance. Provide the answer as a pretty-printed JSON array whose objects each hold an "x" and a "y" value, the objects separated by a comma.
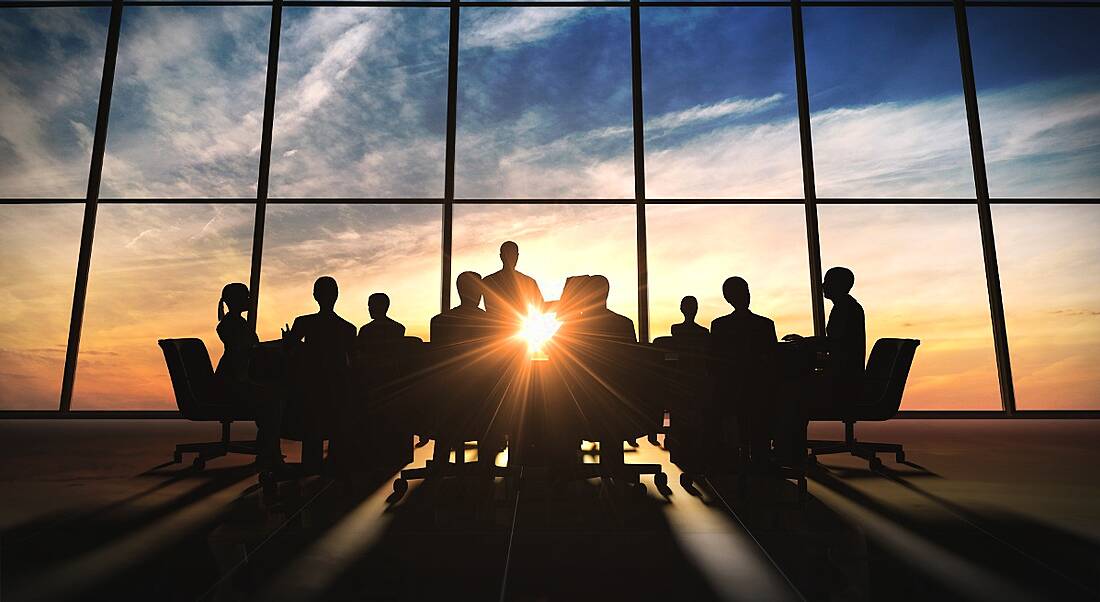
[{"x": 506, "y": 28}]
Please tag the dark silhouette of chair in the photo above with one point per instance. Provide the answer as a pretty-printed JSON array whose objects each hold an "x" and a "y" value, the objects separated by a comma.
[
  {"x": 686, "y": 389},
  {"x": 617, "y": 398},
  {"x": 380, "y": 422},
  {"x": 884, "y": 383},
  {"x": 457, "y": 398},
  {"x": 192, "y": 376}
]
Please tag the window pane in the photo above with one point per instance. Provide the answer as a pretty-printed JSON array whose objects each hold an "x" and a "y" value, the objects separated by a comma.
[
  {"x": 38, "y": 252},
  {"x": 51, "y": 62},
  {"x": 188, "y": 102},
  {"x": 720, "y": 103},
  {"x": 1039, "y": 100},
  {"x": 362, "y": 103},
  {"x": 694, "y": 248},
  {"x": 555, "y": 242},
  {"x": 544, "y": 106},
  {"x": 157, "y": 272},
  {"x": 1047, "y": 256},
  {"x": 919, "y": 274},
  {"x": 888, "y": 115},
  {"x": 392, "y": 249}
]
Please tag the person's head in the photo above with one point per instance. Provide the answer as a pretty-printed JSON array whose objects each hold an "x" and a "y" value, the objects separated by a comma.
[
  {"x": 325, "y": 292},
  {"x": 234, "y": 299},
  {"x": 469, "y": 289},
  {"x": 378, "y": 304},
  {"x": 689, "y": 306},
  {"x": 601, "y": 288},
  {"x": 838, "y": 282},
  {"x": 736, "y": 292},
  {"x": 509, "y": 255}
]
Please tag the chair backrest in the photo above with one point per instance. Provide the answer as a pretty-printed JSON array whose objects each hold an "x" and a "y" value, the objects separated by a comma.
[
  {"x": 191, "y": 372},
  {"x": 884, "y": 381}
]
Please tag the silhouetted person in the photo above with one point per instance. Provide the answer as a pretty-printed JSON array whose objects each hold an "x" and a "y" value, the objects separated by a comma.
[
  {"x": 845, "y": 337},
  {"x": 689, "y": 306},
  {"x": 232, "y": 383},
  {"x": 742, "y": 348},
  {"x": 461, "y": 335},
  {"x": 381, "y": 327},
  {"x": 465, "y": 323},
  {"x": 509, "y": 292},
  {"x": 602, "y": 341},
  {"x": 599, "y": 321},
  {"x": 321, "y": 345}
]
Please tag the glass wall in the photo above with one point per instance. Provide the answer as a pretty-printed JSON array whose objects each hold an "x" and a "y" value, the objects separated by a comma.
[
  {"x": 407, "y": 142},
  {"x": 392, "y": 249},
  {"x": 1047, "y": 255},
  {"x": 919, "y": 275},
  {"x": 157, "y": 273}
]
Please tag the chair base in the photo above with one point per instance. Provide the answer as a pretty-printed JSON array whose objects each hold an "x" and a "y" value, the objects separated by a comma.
[
  {"x": 861, "y": 449},
  {"x": 214, "y": 449}
]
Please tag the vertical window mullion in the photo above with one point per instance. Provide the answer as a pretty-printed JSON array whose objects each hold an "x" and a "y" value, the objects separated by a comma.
[
  {"x": 91, "y": 205},
  {"x": 449, "y": 169},
  {"x": 639, "y": 170},
  {"x": 264, "y": 173},
  {"x": 813, "y": 238},
  {"x": 985, "y": 218}
]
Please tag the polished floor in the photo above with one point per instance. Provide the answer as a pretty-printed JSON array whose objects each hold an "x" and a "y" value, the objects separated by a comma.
[{"x": 982, "y": 510}]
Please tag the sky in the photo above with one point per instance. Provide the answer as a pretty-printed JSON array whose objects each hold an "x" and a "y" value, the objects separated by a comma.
[{"x": 545, "y": 111}]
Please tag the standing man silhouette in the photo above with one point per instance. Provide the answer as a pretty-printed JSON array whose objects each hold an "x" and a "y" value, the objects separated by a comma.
[
  {"x": 320, "y": 347},
  {"x": 743, "y": 348},
  {"x": 509, "y": 290}
]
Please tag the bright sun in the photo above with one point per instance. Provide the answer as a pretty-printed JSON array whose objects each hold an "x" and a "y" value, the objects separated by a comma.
[{"x": 537, "y": 329}]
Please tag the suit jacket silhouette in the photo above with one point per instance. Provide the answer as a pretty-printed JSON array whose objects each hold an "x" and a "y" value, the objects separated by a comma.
[
  {"x": 511, "y": 290},
  {"x": 742, "y": 350}
]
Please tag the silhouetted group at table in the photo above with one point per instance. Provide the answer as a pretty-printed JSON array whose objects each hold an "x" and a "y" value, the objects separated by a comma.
[{"x": 735, "y": 392}]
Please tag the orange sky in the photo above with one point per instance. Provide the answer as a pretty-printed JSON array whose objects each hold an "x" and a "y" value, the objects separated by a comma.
[{"x": 157, "y": 271}]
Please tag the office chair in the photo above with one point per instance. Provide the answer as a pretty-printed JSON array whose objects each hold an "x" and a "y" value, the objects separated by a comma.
[
  {"x": 686, "y": 387},
  {"x": 614, "y": 395},
  {"x": 192, "y": 376},
  {"x": 884, "y": 384},
  {"x": 380, "y": 408},
  {"x": 457, "y": 395}
]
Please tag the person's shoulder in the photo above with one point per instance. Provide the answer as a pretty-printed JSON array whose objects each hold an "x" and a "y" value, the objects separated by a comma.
[
  {"x": 763, "y": 320},
  {"x": 721, "y": 321}
]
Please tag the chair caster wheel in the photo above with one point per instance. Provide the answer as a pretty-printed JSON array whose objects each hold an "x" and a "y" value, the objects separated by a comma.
[
  {"x": 875, "y": 463},
  {"x": 199, "y": 463},
  {"x": 660, "y": 480},
  {"x": 400, "y": 486},
  {"x": 899, "y": 457},
  {"x": 686, "y": 481},
  {"x": 639, "y": 490},
  {"x": 653, "y": 439}
]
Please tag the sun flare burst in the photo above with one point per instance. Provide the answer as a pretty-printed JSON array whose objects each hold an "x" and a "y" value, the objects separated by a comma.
[{"x": 537, "y": 328}]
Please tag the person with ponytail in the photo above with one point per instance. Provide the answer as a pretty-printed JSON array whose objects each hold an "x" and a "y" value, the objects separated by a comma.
[{"x": 234, "y": 386}]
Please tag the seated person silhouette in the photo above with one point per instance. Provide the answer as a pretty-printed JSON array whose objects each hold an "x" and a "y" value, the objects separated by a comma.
[
  {"x": 462, "y": 332},
  {"x": 689, "y": 306},
  {"x": 381, "y": 327},
  {"x": 508, "y": 292},
  {"x": 232, "y": 383},
  {"x": 742, "y": 351},
  {"x": 320, "y": 346},
  {"x": 845, "y": 340},
  {"x": 600, "y": 322},
  {"x": 602, "y": 341}
]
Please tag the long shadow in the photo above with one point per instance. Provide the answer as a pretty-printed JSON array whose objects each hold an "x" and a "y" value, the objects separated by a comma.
[
  {"x": 56, "y": 538},
  {"x": 977, "y": 545},
  {"x": 1062, "y": 553}
]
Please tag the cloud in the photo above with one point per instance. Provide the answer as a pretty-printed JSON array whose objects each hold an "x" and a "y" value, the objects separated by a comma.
[{"x": 507, "y": 28}]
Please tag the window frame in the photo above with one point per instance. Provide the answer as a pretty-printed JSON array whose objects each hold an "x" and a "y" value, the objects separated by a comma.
[{"x": 982, "y": 200}]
